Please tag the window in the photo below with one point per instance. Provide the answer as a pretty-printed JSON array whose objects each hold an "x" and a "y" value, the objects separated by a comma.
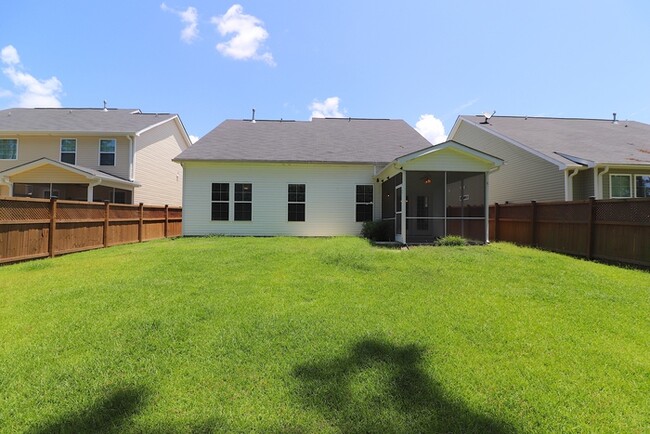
[
  {"x": 620, "y": 186},
  {"x": 107, "y": 152},
  {"x": 69, "y": 151},
  {"x": 8, "y": 149},
  {"x": 642, "y": 183},
  {"x": 243, "y": 202},
  {"x": 296, "y": 211},
  {"x": 364, "y": 203},
  {"x": 220, "y": 201}
]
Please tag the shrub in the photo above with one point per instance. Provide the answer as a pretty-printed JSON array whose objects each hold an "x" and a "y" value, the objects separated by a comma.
[
  {"x": 378, "y": 230},
  {"x": 452, "y": 240}
]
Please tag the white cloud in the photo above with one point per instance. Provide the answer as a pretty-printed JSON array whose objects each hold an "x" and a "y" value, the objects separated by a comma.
[
  {"x": 327, "y": 109},
  {"x": 431, "y": 128},
  {"x": 33, "y": 92},
  {"x": 249, "y": 35},
  {"x": 189, "y": 17},
  {"x": 9, "y": 55},
  {"x": 193, "y": 139}
]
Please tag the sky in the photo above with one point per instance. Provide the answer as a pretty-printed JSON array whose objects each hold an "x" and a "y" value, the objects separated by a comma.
[{"x": 426, "y": 62}]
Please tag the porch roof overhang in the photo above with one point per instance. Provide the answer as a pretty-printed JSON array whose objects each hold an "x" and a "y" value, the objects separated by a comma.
[
  {"x": 93, "y": 176},
  {"x": 465, "y": 156}
]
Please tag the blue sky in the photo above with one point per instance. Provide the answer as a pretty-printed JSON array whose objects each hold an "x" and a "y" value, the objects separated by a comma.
[{"x": 215, "y": 60}]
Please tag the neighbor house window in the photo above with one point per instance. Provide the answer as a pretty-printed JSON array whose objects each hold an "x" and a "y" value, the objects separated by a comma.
[
  {"x": 69, "y": 151},
  {"x": 107, "y": 152},
  {"x": 243, "y": 202},
  {"x": 8, "y": 149},
  {"x": 642, "y": 186},
  {"x": 296, "y": 210},
  {"x": 620, "y": 186},
  {"x": 220, "y": 200},
  {"x": 364, "y": 203}
]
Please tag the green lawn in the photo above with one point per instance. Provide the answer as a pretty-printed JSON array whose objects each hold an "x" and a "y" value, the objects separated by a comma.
[{"x": 322, "y": 335}]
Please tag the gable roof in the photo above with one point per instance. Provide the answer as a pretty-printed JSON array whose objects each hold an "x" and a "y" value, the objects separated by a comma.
[
  {"x": 80, "y": 170},
  {"x": 570, "y": 141},
  {"x": 331, "y": 140},
  {"x": 79, "y": 121}
]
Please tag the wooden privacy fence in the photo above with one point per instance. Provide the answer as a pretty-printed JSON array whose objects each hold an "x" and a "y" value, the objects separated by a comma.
[
  {"x": 38, "y": 228},
  {"x": 612, "y": 230}
]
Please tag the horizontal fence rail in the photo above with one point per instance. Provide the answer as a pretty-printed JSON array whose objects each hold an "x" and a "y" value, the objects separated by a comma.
[
  {"x": 39, "y": 228},
  {"x": 612, "y": 230}
]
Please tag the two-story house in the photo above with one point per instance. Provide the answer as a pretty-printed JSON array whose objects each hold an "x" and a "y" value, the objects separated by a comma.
[{"x": 119, "y": 155}]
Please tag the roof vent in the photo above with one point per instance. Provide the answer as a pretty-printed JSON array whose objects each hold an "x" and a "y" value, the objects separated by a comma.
[
  {"x": 253, "y": 117},
  {"x": 105, "y": 109},
  {"x": 614, "y": 121}
]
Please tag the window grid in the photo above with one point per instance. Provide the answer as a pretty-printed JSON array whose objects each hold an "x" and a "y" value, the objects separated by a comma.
[
  {"x": 107, "y": 149},
  {"x": 296, "y": 202},
  {"x": 243, "y": 202},
  {"x": 8, "y": 149},
  {"x": 364, "y": 203},
  {"x": 220, "y": 201},
  {"x": 69, "y": 151}
]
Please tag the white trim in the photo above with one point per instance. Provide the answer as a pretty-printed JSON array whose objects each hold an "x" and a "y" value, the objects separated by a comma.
[
  {"x": 453, "y": 145},
  {"x": 179, "y": 125},
  {"x": 290, "y": 202},
  {"x": 568, "y": 183},
  {"x": 630, "y": 185},
  {"x": 99, "y": 154},
  {"x": 559, "y": 164},
  {"x": 634, "y": 176},
  {"x": 17, "y": 146},
  {"x": 61, "y": 149},
  {"x": 364, "y": 203}
]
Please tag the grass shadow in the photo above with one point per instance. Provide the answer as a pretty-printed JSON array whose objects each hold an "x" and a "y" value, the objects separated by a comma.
[
  {"x": 380, "y": 387},
  {"x": 109, "y": 414}
]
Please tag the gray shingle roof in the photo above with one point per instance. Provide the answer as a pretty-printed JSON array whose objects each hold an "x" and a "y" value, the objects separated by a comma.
[
  {"x": 71, "y": 120},
  {"x": 319, "y": 140},
  {"x": 596, "y": 140}
]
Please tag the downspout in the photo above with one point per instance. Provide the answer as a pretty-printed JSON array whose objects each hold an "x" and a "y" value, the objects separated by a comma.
[
  {"x": 90, "y": 195},
  {"x": 4, "y": 180},
  {"x": 131, "y": 157},
  {"x": 487, "y": 203},
  {"x": 600, "y": 183},
  {"x": 568, "y": 184}
]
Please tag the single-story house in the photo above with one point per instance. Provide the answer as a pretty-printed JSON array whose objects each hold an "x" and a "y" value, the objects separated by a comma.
[
  {"x": 558, "y": 159},
  {"x": 327, "y": 176},
  {"x": 119, "y": 155}
]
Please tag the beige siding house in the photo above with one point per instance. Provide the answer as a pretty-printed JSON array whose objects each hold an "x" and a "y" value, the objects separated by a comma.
[
  {"x": 119, "y": 155},
  {"x": 555, "y": 159},
  {"x": 327, "y": 176}
]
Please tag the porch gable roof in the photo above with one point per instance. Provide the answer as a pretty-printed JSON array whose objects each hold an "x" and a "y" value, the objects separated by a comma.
[
  {"x": 91, "y": 174},
  {"x": 467, "y": 152}
]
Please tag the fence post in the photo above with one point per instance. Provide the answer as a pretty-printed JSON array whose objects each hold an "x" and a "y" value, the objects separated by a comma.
[
  {"x": 496, "y": 221},
  {"x": 590, "y": 226},
  {"x": 166, "y": 219},
  {"x": 107, "y": 206},
  {"x": 533, "y": 223},
  {"x": 50, "y": 238},
  {"x": 141, "y": 222}
]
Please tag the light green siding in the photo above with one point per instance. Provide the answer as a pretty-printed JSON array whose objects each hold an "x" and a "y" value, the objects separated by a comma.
[{"x": 523, "y": 177}]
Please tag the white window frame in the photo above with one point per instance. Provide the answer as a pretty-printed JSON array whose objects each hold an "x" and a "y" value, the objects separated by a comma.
[
  {"x": 234, "y": 201},
  {"x": 631, "y": 187},
  {"x": 99, "y": 156},
  {"x": 304, "y": 203},
  {"x": 11, "y": 159},
  {"x": 67, "y": 152},
  {"x": 372, "y": 202},
  {"x": 634, "y": 183}
]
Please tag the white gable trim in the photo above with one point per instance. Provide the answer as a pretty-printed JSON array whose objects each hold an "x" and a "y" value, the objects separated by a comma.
[{"x": 559, "y": 164}]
